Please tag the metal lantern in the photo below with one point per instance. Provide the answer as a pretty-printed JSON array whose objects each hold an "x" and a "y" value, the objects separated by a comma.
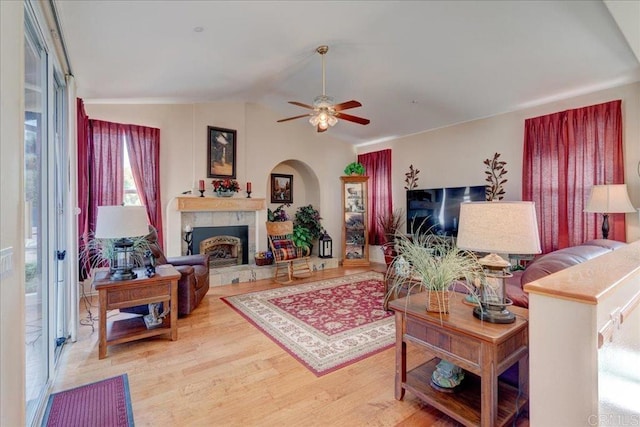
[
  {"x": 326, "y": 246},
  {"x": 122, "y": 262}
]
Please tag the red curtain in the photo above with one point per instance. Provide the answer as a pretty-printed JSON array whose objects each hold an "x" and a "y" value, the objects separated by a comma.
[
  {"x": 565, "y": 155},
  {"x": 106, "y": 178},
  {"x": 378, "y": 168},
  {"x": 84, "y": 142},
  {"x": 143, "y": 146}
]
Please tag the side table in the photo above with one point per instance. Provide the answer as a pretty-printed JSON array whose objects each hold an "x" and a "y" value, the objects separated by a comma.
[
  {"x": 484, "y": 350},
  {"x": 163, "y": 287}
]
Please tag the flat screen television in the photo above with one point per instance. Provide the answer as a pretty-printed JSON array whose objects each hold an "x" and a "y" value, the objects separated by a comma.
[{"x": 437, "y": 210}]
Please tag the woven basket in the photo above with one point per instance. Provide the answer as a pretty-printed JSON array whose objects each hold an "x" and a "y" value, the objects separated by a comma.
[
  {"x": 264, "y": 261},
  {"x": 438, "y": 301}
]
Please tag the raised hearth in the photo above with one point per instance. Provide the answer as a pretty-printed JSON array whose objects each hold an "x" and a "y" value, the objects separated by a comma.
[{"x": 214, "y": 212}]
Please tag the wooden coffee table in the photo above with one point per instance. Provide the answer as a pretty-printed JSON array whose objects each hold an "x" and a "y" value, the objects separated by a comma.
[
  {"x": 163, "y": 287},
  {"x": 485, "y": 350}
]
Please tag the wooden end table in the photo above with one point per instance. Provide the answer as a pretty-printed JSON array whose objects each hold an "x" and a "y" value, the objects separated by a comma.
[
  {"x": 485, "y": 350},
  {"x": 163, "y": 287}
]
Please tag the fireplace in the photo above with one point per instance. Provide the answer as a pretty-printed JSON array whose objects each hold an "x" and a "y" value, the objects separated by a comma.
[
  {"x": 194, "y": 213},
  {"x": 226, "y": 246}
]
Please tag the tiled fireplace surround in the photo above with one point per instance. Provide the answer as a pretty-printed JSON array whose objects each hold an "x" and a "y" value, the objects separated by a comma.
[{"x": 218, "y": 212}]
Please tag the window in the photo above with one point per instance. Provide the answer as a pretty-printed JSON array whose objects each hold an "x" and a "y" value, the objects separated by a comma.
[{"x": 131, "y": 196}]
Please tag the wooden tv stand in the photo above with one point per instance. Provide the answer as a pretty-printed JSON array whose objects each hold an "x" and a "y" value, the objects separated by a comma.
[{"x": 484, "y": 350}]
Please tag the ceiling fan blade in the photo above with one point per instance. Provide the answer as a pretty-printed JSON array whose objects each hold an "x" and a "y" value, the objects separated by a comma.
[
  {"x": 293, "y": 118},
  {"x": 321, "y": 129},
  {"x": 300, "y": 104},
  {"x": 346, "y": 105},
  {"x": 354, "y": 119}
]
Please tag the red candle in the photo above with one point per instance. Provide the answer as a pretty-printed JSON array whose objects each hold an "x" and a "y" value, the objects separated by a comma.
[
  {"x": 248, "y": 186},
  {"x": 201, "y": 185}
]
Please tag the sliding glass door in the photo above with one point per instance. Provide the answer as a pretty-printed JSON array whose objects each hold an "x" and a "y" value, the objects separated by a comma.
[
  {"x": 35, "y": 220},
  {"x": 46, "y": 183}
]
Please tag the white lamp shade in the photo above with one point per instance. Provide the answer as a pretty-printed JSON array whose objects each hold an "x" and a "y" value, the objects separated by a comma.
[
  {"x": 611, "y": 198},
  {"x": 116, "y": 222},
  {"x": 499, "y": 227}
]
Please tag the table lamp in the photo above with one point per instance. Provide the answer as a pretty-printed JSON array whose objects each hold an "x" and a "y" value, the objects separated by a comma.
[
  {"x": 121, "y": 223},
  {"x": 606, "y": 199},
  {"x": 497, "y": 227}
]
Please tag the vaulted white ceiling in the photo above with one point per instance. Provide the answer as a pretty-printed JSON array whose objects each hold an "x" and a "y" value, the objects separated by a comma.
[{"x": 413, "y": 65}]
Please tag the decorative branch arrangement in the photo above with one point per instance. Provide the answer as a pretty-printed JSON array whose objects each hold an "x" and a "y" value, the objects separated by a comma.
[
  {"x": 495, "y": 177},
  {"x": 411, "y": 178}
]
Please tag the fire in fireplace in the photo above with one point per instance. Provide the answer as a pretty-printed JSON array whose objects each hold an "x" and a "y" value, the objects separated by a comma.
[{"x": 226, "y": 246}]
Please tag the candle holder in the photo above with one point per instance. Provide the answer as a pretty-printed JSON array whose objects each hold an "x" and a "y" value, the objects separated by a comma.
[
  {"x": 188, "y": 238},
  {"x": 248, "y": 194},
  {"x": 201, "y": 193}
]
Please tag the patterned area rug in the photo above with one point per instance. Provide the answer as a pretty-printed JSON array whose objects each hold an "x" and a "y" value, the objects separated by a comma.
[
  {"x": 325, "y": 325},
  {"x": 103, "y": 403}
]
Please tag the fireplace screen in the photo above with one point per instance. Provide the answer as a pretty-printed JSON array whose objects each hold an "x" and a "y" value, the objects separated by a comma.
[
  {"x": 223, "y": 251},
  {"x": 226, "y": 245}
]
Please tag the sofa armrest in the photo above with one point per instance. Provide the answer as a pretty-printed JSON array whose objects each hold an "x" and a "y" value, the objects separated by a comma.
[{"x": 199, "y": 259}]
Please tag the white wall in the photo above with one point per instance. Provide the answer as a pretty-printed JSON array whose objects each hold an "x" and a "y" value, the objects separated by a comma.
[
  {"x": 454, "y": 156},
  {"x": 12, "y": 329},
  {"x": 262, "y": 144},
  {"x": 451, "y": 156}
]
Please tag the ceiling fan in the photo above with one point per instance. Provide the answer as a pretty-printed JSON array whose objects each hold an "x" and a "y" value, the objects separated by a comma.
[{"x": 325, "y": 112}]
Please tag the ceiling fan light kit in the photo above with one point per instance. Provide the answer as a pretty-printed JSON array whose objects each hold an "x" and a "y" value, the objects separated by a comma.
[{"x": 325, "y": 111}]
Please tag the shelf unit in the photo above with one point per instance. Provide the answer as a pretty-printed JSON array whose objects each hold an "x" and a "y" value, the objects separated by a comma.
[{"x": 355, "y": 234}]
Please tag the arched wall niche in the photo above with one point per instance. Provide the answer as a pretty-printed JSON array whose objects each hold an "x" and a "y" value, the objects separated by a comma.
[{"x": 306, "y": 186}]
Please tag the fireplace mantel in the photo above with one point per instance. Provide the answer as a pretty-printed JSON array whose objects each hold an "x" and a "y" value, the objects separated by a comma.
[{"x": 222, "y": 204}]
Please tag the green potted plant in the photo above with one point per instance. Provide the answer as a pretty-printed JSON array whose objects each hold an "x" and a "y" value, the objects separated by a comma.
[
  {"x": 309, "y": 218},
  {"x": 302, "y": 237},
  {"x": 354, "y": 168}
]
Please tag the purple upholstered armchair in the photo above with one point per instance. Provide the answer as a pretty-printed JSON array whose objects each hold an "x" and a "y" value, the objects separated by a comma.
[{"x": 194, "y": 274}]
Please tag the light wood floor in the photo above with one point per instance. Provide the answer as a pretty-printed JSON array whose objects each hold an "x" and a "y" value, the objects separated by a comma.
[{"x": 222, "y": 371}]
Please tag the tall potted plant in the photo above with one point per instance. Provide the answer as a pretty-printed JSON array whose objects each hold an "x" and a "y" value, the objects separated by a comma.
[
  {"x": 302, "y": 238},
  {"x": 309, "y": 218},
  {"x": 390, "y": 222}
]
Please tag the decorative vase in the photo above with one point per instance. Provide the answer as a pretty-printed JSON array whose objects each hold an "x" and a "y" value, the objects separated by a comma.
[
  {"x": 389, "y": 252},
  {"x": 224, "y": 193},
  {"x": 438, "y": 301},
  {"x": 447, "y": 376}
]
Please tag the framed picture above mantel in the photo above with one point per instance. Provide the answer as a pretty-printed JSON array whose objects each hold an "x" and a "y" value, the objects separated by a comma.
[{"x": 221, "y": 152}]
